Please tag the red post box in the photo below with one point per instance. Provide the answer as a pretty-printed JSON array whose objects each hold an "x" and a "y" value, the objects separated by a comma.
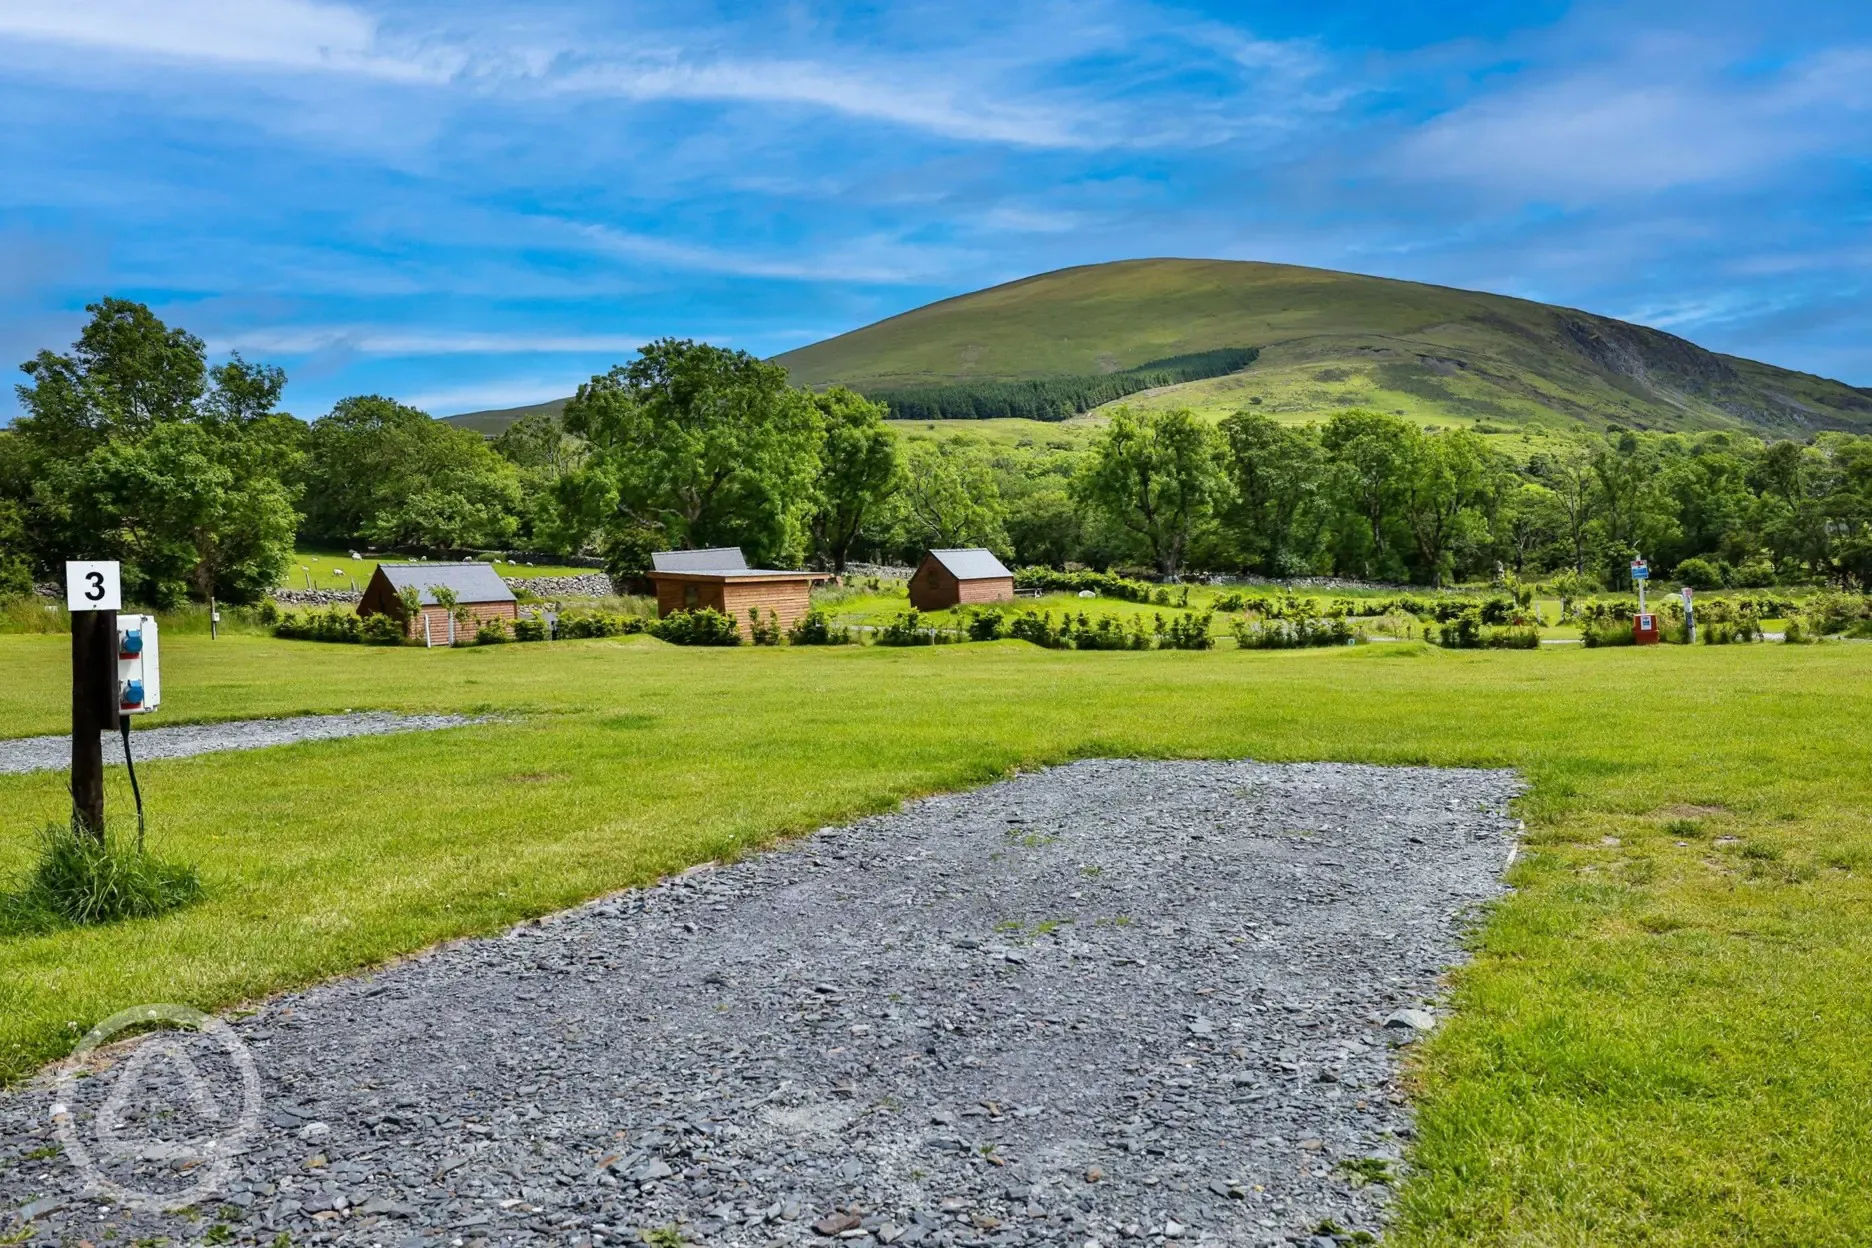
[{"x": 1644, "y": 629}]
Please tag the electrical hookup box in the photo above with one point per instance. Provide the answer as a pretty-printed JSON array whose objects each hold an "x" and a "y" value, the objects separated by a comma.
[
  {"x": 139, "y": 667},
  {"x": 1644, "y": 629}
]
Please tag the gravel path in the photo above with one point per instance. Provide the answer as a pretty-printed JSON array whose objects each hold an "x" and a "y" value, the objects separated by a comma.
[
  {"x": 1119, "y": 1002},
  {"x": 23, "y": 754}
]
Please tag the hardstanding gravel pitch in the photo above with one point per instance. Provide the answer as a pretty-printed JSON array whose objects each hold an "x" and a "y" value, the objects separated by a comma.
[
  {"x": 1114, "y": 1001},
  {"x": 23, "y": 754}
]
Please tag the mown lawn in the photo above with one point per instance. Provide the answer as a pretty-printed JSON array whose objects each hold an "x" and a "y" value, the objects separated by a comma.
[{"x": 1662, "y": 1040}]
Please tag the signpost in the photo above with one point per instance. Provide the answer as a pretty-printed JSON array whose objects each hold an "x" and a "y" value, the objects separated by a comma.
[
  {"x": 1644, "y": 624},
  {"x": 1689, "y": 615},
  {"x": 93, "y": 593}
]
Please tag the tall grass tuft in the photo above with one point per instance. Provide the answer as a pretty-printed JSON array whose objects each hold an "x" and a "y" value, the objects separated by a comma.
[
  {"x": 79, "y": 880},
  {"x": 33, "y": 614}
]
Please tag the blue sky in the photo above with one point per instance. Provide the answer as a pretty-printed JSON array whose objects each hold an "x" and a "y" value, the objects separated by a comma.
[{"x": 465, "y": 204}]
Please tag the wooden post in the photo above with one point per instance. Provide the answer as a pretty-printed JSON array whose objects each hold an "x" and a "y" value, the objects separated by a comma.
[
  {"x": 94, "y": 712},
  {"x": 214, "y": 620}
]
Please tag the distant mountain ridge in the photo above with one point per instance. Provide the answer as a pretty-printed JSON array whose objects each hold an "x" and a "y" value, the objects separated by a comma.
[{"x": 1326, "y": 340}]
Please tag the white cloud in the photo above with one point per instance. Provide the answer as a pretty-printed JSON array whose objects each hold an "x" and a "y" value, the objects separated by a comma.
[
  {"x": 1014, "y": 219},
  {"x": 981, "y": 118},
  {"x": 1663, "y": 119},
  {"x": 284, "y": 34},
  {"x": 865, "y": 259},
  {"x": 367, "y": 340}
]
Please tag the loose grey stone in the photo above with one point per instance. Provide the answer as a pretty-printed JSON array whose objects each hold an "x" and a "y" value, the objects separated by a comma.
[
  {"x": 749, "y": 1053},
  {"x": 24, "y": 754},
  {"x": 1414, "y": 1020}
]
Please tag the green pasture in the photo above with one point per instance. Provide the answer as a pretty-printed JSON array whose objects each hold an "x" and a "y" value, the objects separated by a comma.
[
  {"x": 335, "y": 569},
  {"x": 1660, "y": 1040},
  {"x": 1047, "y": 435}
]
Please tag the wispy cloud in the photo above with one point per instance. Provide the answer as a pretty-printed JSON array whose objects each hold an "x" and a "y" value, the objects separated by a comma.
[
  {"x": 1643, "y": 125},
  {"x": 388, "y": 341},
  {"x": 974, "y": 115},
  {"x": 279, "y": 34},
  {"x": 872, "y": 259},
  {"x": 402, "y": 196}
]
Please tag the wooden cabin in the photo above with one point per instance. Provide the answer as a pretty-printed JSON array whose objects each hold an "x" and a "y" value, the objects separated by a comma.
[
  {"x": 478, "y": 590},
  {"x": 957, "y": 578},
  {"x": 688, "y": 580}
]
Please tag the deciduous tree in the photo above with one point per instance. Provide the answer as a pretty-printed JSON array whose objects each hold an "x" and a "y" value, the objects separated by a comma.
[
  {"x": 1155, "y": 476},
  {"x": 1275, "y": 506},
  {"x": 857, "y": 470},
  {"x": 696, "y": 445}
]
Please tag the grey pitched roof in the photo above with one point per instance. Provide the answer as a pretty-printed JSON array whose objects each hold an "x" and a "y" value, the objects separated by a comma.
[
  {"x": 717, "y": 559},
  {"x": 472, "y": 582},
  {"x": 970, "y": 565}
]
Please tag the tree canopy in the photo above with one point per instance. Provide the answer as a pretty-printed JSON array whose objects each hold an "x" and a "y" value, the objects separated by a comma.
[
  {"x": 694, "y": 445},
  {"x": 131, "y": 446}
]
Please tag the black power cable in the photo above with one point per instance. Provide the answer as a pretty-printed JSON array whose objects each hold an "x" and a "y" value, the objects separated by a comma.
[{"x": 123, "y": 722}]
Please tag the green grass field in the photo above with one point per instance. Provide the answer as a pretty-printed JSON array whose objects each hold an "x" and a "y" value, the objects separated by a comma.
[
  {"x": 335, "y": 569},
  {"x": 1660, "y": 1041}
]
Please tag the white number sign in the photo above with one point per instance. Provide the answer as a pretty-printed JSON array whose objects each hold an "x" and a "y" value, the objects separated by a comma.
[{"x": 93, "y": 586}]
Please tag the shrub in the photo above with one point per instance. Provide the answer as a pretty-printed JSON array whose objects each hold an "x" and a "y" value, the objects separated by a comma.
[
  {"x": 1232, "y": 601},
  {"x": 1189, "y": 632},
  {"x": 1462, "y": 632},
  {"x": 491, "y": 633},
  {"x": 908, "y": 629},
  {"x": 529, "y": 629},
  {"x": 704, "y": 626},
  {"x": 1512, "y": 637},
  {"x": 1826, "y": 614},
  {"x": 598, "y": 624},
  {"x": 986, "y": 626},
  {"x": 267, "y": 614},
  {"x": 1399, "y": 624},
  {"x": 1107, "y": 632},
  {"x": 1499, "y": 609},
  {"x": 1700, "y": 573},
  {"x": 1771, "y": 606},
  {"x": 815, "y": 628},
  {"x": 763, "y": 634},
  {"x": 1607, "y": 632},
  {"x": 1294, "y": 634},
  {"x": 1729, "y": 632},
  {"x": 1756, "y": 573},
  {"x": 1105, "y": 584},
  {"x": 331, "y": 624},
  {"x": 1034, "y": 627},
  {"x": 382, "y": 630},
  {"x": 1597, "y": 611},
  {"x": 83, "y": 880}
]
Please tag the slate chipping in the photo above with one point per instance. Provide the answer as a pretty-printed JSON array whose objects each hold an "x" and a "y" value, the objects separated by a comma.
[{"x": 1115, "y": 1001}]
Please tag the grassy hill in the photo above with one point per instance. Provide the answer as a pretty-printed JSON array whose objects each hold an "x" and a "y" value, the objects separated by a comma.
[
  {"x": 1330, "y": 340},
  {"x": 495, "y": 420},
  {"x": 1326, "y": 341}
]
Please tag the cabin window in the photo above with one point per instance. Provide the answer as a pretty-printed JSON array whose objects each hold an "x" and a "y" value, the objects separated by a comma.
[{"x": 690, "y": 596}]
